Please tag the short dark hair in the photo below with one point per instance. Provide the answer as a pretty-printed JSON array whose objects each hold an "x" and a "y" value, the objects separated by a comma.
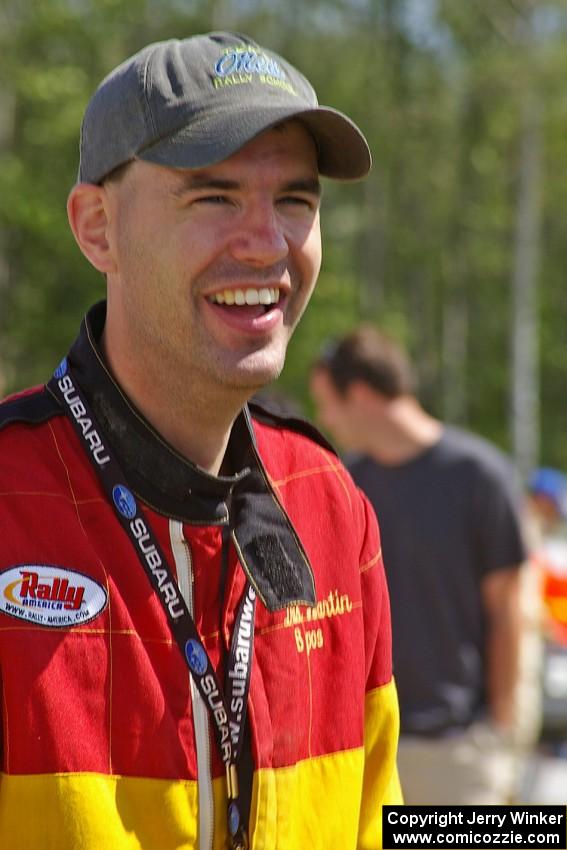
[
  {"x": 371, "y": 357},
  {"x": 117, "y": 174}
]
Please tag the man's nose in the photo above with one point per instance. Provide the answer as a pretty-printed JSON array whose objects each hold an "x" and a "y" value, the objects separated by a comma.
[{"x": 261, "y": 238}]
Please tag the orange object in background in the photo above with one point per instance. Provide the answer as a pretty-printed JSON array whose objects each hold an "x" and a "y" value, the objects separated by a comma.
[{"x": 554, "y": 591}]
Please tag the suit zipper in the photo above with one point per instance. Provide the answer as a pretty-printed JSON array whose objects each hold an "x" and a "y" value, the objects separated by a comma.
[{"x": 185, "y": 580}]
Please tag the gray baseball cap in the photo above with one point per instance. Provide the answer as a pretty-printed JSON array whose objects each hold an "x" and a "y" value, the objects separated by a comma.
[{"x": 195, "y": 102}]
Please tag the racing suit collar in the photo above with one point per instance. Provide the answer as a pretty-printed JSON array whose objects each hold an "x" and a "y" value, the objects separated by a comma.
[{"x": 266, "y": 542}]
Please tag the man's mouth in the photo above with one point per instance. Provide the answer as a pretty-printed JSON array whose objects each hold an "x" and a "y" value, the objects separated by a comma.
[{"x": 265, "y": 297}]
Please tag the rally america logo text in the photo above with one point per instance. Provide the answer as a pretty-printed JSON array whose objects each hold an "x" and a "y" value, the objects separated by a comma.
[{"x": 50, "y": 596}]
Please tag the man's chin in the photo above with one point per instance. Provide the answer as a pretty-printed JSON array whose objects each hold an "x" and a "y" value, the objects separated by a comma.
[
  {"x": 252, "y": 382},
  {"x": 256, "y": 370}
]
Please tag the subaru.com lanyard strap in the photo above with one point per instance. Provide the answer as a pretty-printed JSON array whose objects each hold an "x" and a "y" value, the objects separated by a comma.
[{"x": 227, "y": 710}]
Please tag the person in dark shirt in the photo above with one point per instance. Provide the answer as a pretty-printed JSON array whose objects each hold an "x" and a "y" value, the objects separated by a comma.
[{"x": 452, "y": 545}]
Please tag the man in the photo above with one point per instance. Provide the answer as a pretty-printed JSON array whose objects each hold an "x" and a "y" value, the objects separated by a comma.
[
  {"x": 194, "y": 623},
  {"x": 547, "y": 498},
  {"x": 452, "y": 548}
]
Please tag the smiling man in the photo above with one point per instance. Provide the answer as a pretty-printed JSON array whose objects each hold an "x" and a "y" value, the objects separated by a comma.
[{"x": 194, "y": 624}]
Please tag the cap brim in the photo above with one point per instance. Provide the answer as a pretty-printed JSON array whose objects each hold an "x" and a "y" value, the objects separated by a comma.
[{"x": 343, "y": 152}]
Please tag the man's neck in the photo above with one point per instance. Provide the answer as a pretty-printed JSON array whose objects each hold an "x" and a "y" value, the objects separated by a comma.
[
  {"x": 193, "y": 423},
  {"x": 403, "y": 433}
]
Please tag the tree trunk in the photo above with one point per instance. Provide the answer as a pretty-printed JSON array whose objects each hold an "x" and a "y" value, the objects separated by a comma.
[{"x": 525, "y": 349}]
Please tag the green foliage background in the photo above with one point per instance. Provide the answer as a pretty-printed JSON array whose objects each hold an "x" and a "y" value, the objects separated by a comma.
[{"x": 424, "y": 247}]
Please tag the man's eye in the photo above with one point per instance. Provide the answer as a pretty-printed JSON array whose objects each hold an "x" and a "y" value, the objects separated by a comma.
[
  {"x": 212, "y": 199},
  {"x": 295, "y": 200}
]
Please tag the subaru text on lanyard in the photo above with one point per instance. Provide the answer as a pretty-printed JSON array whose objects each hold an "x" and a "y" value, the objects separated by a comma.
[{"x": 228, "y": 724}]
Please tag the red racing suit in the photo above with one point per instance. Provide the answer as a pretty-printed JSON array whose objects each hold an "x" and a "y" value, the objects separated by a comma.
[{"x": 103, "y": 733}]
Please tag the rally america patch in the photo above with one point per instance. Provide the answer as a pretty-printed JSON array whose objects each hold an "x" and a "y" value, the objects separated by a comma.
[{"x": 50, "y": 596}]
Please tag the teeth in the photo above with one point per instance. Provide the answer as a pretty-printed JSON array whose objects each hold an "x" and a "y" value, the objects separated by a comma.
[{"x": 266, "y": 295}]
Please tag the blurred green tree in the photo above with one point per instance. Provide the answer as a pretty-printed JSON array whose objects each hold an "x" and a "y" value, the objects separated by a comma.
[{"x": 427, "y": 247}]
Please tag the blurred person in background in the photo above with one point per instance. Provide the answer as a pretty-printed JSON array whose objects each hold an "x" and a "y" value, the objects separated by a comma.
[
  {"x": 547, "y": 539},
  {"x": 452, "y": 543},
  {"x": 547, "y": 500}
]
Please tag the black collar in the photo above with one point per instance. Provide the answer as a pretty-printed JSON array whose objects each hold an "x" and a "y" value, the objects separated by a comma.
[{"x": 267, "y": 544}]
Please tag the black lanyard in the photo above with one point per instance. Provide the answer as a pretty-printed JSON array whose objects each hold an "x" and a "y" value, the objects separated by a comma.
[{"x": 228, "y": 708}]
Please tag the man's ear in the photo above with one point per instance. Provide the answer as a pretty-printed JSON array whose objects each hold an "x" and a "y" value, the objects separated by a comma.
[{"x": 88, "y": 213}]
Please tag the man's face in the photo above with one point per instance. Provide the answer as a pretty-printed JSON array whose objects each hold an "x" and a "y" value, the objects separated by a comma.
[
  {"x": 336, "y": 413},
  {"x": 191, "y": 245}
]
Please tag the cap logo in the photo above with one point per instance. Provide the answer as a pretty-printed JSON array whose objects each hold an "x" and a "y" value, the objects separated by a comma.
[{"x": 239, "y": 66}]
